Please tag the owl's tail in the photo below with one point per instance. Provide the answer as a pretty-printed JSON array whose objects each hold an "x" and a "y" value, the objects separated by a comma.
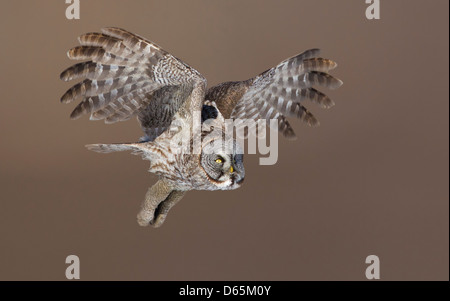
[
  {"x": 115, "y": 147},
  {"x": 145, "y": 149}
]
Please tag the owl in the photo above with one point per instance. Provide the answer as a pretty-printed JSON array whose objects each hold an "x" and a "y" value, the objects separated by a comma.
[{"x": 125, "y": 75}]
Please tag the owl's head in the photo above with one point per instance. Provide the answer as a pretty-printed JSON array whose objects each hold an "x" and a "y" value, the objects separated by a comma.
[{"x": 223, "y": 162}]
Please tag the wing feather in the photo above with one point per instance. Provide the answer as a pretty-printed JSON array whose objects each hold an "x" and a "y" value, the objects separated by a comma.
[
  {"x": 279, "y": 92},
  {"x": 121, "y": 74}
]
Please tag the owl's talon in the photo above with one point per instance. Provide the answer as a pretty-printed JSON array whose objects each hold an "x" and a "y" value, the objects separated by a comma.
[
  {"x": 144, "y": 218},
  {"x": 158, "y": 221}
]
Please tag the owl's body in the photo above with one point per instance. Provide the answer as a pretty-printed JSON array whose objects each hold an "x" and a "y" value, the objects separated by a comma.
[{"x": 183, "y": 122}]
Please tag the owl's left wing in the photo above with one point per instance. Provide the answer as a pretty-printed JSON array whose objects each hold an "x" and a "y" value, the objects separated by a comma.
[
  {"x": 126, "y": 75},
  {"x": 279, "y": 92}
]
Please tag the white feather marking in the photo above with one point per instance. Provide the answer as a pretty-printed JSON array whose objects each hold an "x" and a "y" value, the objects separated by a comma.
[
  {"x": 94, "y": 84},
  {"x": 269, "y": 113},
  {"x": 288, "y": 106},
  {"x": 127, "y": 88},
  {"x": 252, "y": 117},
  {"x": 137, "y": 46},
  {"x": 280, "y": 102},
  {"x": 101, "y": 98},
  {"x": 98, "y": 70},
  {"x": 114, "y": 106},
  {"x": 91, "y": 102},
  {"x": 114, "y": 93},
  {"x": 109, "y": 82},
  {"x": 276, "y": 116},
  {"x": 305, "y": 79},
  {"x": 263, "y": 108},
  {"x": 121, "y": 81},
  {"x": 253, "y": 110},
  {"x": 134, "y": 102},
  {"x": 126, "y": 107},
  {"x": 288, "y": 91},
  {"x": 146, "y": 49}
]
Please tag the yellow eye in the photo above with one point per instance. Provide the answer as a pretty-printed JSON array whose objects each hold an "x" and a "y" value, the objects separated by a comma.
[{"x": 218, "y": 160}]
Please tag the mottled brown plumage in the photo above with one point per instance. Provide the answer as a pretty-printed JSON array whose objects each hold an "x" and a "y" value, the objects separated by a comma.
[
  {"x": 124, "y": 75},
  {"x": 227, "y": 96},
  {"x": 279, "y": 92}
]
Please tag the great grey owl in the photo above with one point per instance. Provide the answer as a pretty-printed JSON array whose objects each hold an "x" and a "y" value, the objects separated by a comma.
[{"x": 126, "y": 75}]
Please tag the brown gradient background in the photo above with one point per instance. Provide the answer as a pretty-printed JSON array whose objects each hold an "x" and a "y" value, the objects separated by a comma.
[{"x": 372, "y": 179}]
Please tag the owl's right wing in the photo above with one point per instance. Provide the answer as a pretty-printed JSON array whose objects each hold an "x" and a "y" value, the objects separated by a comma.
[
  {"x": 279, "y": 92},
  {"x": 126, "y": 75}
]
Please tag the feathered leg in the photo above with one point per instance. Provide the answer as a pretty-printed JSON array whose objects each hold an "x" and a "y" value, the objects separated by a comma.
[
  {"x": 158, "y": 201},
  {"x": 163, "y": 209}
]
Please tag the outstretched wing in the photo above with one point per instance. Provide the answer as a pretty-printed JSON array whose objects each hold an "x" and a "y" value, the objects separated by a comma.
[
  {"x": 126, "y": 75},
  {"x": 279, "y": 92}
]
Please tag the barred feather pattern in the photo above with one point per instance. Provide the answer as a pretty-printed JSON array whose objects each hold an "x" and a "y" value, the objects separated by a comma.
[
  {"x": 281, "y": 91},
  {"x": 121, "y": 74},
  {"x": 162, "y": 161}
]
